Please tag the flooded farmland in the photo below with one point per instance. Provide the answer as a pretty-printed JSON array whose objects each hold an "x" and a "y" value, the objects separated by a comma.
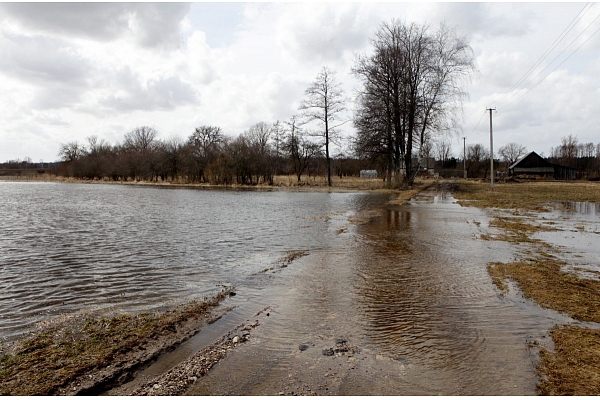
[{"x": 381, "y": 300}]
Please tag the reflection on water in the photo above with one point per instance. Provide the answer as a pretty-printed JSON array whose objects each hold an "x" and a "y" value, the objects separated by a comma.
[
  {"x": 428, "y": 301},
  {"x": 410, "y": 291},
  {"x": 579, "y": 207},
  {"x": 71, "y": 247}
]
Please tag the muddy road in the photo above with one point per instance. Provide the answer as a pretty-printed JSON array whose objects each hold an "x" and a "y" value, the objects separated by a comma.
[{"x": 399, "y": 304}]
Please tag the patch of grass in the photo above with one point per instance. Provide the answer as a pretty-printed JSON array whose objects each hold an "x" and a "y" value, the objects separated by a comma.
[
  {"x": 531, "y": 196},
  {"x": 573, "y": 368},
  {"x": 543, "y": 281},
  {"x": 517, "y": 230},
  {"x": 53, "y": 357}
]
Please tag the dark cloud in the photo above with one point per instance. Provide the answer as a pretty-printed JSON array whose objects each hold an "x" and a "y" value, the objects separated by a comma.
[
  {"x": 161, "y": 94},
  {"x": 154, "y": 24},
  {"x": 159, "y": 23}
]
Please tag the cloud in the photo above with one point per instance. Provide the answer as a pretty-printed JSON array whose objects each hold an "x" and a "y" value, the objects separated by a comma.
[
  {"x": 41, "y": 60},
  {"x": 152, "y": 24},
  {"x": 131, "y": 93}
]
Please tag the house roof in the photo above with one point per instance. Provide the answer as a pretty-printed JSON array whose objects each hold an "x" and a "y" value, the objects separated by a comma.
[{"x": 531, "y": 160}]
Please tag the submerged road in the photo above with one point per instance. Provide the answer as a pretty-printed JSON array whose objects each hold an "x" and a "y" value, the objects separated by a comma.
[{"x": 399, "y": 304}]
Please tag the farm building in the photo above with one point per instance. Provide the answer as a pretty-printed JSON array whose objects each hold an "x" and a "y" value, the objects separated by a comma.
[{"x": 534, "y": 165}]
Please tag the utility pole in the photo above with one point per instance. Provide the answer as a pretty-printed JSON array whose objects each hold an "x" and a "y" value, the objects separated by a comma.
[
  {"x": 465, "y": 156},
  {"x": 491, "y": 151}
]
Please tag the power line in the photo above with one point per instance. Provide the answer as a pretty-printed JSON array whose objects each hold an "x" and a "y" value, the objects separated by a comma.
[
  {"x": 555, "y": 58},
  {"x": 541, "y": 80},
  {"x": 559, "y": 39},
  {"x": 480, "y": 119}
]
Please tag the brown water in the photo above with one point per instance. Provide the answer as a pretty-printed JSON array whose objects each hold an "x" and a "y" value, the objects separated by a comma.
[
  {"x": 410, "y": 293},
  {"x": 405, "y": 286}
]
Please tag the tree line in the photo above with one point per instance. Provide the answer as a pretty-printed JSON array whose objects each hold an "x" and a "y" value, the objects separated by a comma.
[{"x": 411, "y": 90}]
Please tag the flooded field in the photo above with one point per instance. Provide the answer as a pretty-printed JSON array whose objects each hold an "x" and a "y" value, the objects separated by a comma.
[
  {"x": 349, "y": 295},
  {"x": 66, "y": 248}
]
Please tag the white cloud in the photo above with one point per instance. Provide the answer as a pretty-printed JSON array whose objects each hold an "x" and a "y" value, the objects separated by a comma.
[{"x": 70, "y": 70}]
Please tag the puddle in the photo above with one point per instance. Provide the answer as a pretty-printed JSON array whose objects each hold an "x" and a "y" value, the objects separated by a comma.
[{"x": 576, "y": 236}]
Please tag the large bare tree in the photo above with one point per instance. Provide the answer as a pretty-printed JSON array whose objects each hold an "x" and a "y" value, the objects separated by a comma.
[
  {"x": 324, "y": 102},
  {"x": 412, "y": 88}
]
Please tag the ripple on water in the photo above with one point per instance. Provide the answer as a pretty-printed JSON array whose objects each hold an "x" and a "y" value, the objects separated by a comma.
[{"x": 73, "y": 246}]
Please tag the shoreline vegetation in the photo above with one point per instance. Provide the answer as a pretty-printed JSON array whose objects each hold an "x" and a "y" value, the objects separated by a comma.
[
  {"x": 87, "y": 354},
  {"x": 572, "y": 367},
  {"x": 90, "y": 354}
]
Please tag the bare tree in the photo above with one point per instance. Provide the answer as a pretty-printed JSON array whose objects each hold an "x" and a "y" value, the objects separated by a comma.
[
  {"x": 141, "y": 146},
  {"x": 511, "y": 152},
  {"x": 412, "y": 88},
  {"x": 324, "y": 102},
  {"x": 261, "y": 158},
  {"x": 477, "y": 159},
  {"x": 299, "y": 149},
  {"x": 70, "y": 152},
  {"x": 204, "y": 143},
  {"x": 443, "y": 149}
]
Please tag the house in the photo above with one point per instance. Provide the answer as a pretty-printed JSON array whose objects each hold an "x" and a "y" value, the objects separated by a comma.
[{"x": 532, "y": 165}]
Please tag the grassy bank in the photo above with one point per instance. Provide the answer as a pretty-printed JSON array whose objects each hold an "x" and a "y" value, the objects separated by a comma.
[
  {"x": 573, "y": 366},
  {"x": 51, "y": 359},
  {"x": 530, "y": 196}
]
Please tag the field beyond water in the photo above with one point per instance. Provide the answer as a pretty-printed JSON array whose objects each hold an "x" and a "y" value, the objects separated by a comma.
[
  {"x": 519, "y": 210},
  {"x": 89, "y": 355}
]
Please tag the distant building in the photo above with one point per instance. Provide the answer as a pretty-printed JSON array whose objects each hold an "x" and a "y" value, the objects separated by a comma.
[
  {"x": 368, "y": 173},
  {"x": 535, "y": 166}
]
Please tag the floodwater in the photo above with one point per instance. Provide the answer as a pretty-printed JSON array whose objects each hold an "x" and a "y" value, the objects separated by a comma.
[
  {"x": 575, "y": 233},
  {"x": 405, "y": 287},
  {"x": 67, "y": 248},
  {"x": 410, "y": 294}
]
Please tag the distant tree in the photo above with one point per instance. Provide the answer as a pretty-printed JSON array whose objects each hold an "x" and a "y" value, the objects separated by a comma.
[
  {"x": 70, "y": 152},
  {"x": 477, "y": 160},
  {"x": 511, "y": 152},
  {"x": 171, "y": 157},
  {"x": 261, "y": 156},
  {"x": 141, "y": 146},
  {"x": 324, "y": 102},
  {"x": 299, "y": 148},
  {"x": 443, "y": 150},
  {"x": 205, "y": 145}
]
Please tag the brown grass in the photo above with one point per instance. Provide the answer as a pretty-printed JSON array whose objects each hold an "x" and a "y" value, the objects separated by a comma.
[
  {"x": 543, "y": 281},
  {"x": 531, "y": 196},
  {"x": 53, "y": 357},
  {"x": 517, "y": 230},
  {"x": 573, "y": 368}
]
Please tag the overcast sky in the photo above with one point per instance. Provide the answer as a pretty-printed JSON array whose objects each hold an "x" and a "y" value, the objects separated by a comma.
[{"x": 72, "y": 70}]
